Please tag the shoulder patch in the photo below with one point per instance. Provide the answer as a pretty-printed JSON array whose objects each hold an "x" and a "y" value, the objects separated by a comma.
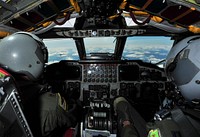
[{"x": 154, "y": 133}]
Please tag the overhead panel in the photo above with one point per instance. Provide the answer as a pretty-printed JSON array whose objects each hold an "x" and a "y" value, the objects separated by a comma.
[
  {"x": 45, "y": 10},
  {"x": 28, "y": 14},
  {"x": 180, "y": 12},
  {"x": 17, "y": 24},
  {"x": 61, "y": 4},
  {"x": 10, "y": 7},
  {"x": 32, "y": 16},
  {"x": 190, "y": 18},
  {"x": 152, "y": 6}
]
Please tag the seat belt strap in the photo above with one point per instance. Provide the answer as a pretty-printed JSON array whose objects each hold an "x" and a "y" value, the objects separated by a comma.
[{"x": 186, "y": 128}]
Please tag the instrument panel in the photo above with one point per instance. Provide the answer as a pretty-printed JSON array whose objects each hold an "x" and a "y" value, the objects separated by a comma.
[
  {"x": 99, "y": 80},
  {"x": 97, "y": 83},
  {"x": 100, "y": 73}
]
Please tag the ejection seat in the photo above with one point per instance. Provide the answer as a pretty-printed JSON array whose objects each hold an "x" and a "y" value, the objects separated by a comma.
[{"x": 12, "y": 119}]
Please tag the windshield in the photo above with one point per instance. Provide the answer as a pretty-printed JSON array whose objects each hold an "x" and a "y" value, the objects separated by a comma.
[
  {"x": 99, "y": 45},
  {"x": 61, "y": 49},
  {"x": 147, "y": 48}
]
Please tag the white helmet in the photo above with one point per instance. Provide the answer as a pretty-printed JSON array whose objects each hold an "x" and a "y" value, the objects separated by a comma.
[
  {"x": 183, "y": 66},
  {"x": 23, "y": 53}
]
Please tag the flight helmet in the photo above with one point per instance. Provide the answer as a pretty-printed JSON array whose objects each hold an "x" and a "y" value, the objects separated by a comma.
[
  {"x": 183, "y": 67},
  {"x": 23, "y": 53}
]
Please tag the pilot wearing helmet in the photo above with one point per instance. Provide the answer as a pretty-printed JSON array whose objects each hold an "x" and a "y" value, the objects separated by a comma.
[
  {"x": 183, "y": 65},
  {"x": 24, "y": 56},
  {"x": 183, "y": 120},
  {"x": 183, "y": 69}
]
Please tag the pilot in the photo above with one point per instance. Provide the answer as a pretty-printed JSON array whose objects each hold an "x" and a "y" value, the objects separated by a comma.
[
  {"x": 183, "y": 120},
  {"x": 182, "y": 67},
  {"x": 24, "y": 56}
]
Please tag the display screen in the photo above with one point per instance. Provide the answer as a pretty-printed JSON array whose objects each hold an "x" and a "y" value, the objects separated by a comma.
[
  {"x": 73, "y": 72},
  {"x": 128, "y": 72},
  {"x": 63, "y": 71}
]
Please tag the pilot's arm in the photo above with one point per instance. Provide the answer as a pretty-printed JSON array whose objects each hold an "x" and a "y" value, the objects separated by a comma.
[{"x": 53, "y": 114}]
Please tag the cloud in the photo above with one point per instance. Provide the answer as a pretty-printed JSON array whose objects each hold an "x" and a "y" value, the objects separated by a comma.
[
  {"x": 69, "y": 58},
  {"x": 75, "y": 54},
  {"x": 134, "y": 55},
  {"x": 154, "y": 60}
]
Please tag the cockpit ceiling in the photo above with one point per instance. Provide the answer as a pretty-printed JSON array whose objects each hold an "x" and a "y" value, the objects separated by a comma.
[{"x": 36, "y": 15}]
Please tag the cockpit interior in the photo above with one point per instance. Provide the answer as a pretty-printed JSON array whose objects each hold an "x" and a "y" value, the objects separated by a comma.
[{"x": 97, "y": 78}]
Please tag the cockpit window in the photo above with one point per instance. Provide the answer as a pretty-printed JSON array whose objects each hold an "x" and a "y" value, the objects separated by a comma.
[
  {"x": 147, "y": 48},
  {"x": 99, "y": 45},
  {"x": 61, "y": 49}
]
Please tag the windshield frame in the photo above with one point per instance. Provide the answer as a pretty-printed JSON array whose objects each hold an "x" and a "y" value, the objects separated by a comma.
[{"x": 68, "y": 49}]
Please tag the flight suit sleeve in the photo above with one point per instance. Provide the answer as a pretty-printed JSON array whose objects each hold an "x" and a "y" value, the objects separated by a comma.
[{"x": 52, "y": 115}]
